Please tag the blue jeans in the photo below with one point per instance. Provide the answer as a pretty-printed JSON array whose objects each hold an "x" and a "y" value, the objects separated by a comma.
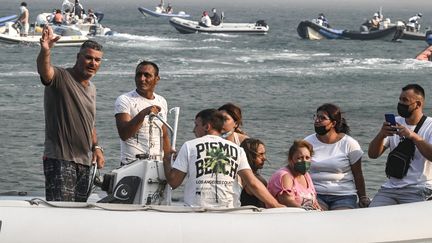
[
  {"x": 65, "y": 180},
  {"x": 332, "y": 202},
  {"x": 392, "y": 196}
]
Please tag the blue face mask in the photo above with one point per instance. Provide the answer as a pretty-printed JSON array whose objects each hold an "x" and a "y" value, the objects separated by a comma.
[
  {"x": 227, "y": 134},
  {"x": 302, "y": 166}
]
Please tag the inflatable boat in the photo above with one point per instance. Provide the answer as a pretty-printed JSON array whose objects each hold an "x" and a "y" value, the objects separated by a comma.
[
  {"x": 37, "y": 221},
  {"x": 146, "y": 12},
  {"x": 392, "y": 33},
  {"x": 185, "y": 26},
  {"x": 138, "y": 208},
  {"x": 410, "y": 35},
  {"x": 9, "y": 34},
  {"x": 86, "y": 29},
  {"x": 313, "y": 31}
]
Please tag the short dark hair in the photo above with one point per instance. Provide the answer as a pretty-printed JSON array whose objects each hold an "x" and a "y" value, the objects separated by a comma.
[
  {"x": 212, "y": 117},
  {"x": 144, "y": 63},
  {"x": 418, "y": 90},
  {"x": 24, "y": 4},
  {"x": 92, "y": 45}
]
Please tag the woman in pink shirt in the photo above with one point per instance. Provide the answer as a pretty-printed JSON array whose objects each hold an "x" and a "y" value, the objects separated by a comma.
[{"x": 292, "y": 185}]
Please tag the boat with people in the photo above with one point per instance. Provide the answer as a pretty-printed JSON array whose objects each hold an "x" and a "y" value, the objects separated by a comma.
[
  {"x": 11, "y": 35},
  {"x": 392, "y": 33},
  {"x": 148, "y": 12},
  {"x": 86, "y": 28},
  {"x": 138, "y": 207},
  {"x": 185, "y": 26},
  {"x": 412, "y": 35},
  {"x": 313, "y": 31}
]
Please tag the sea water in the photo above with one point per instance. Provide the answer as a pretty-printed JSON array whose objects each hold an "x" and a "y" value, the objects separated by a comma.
[{"x": 278, "y": 80}]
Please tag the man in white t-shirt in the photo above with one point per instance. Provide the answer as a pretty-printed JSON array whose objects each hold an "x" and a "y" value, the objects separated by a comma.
[
  {"x": 416, "y": 185},
  {"x": 24, "y": 19},
  {"x": 132, "y": 112},
  {"x": 205, "y": 20},
  {"x": 212, "y": 165}
]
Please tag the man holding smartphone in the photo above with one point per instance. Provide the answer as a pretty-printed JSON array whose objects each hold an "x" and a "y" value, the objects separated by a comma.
[{"x": 417, "y": 184}]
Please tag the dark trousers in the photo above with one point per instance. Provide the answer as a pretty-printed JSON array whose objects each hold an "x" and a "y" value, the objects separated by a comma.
[{"x": 65, "y": 180}]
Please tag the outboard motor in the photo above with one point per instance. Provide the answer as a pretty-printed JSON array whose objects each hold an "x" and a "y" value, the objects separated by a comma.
[
  {"x": 261, "y": 23},
  {"x": 142, "y": 181},
  {"x": 124, "y": 192}
]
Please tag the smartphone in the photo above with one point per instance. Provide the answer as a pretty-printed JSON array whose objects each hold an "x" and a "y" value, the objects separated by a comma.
[{"x": 391, "y": 119}]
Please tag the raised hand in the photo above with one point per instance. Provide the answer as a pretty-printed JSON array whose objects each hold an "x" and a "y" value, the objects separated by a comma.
[{"x": 48, "y": 38}]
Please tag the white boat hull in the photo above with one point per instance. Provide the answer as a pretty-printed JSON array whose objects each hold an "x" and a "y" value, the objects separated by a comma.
[
  {"x": 187, "y": 26},
  {"x": 146, "y": 12},
  {"x": 23, "y": 222},
  {"x": 85, "y": 29},
  {"x": 10, "y": 35},
  {"x": 34, "y": 40}
]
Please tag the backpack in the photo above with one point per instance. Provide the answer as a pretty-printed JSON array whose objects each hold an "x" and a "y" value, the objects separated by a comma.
[{"x": 399, "y": 159}]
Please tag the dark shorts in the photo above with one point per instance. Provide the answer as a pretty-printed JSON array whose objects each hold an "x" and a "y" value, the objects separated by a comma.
[
  {"x": 65, "y": 180},
  {"x": 334, "y": 202}
]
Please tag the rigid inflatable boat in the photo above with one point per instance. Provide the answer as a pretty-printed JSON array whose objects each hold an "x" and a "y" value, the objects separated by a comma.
[
  {"x": 138, "y": 208},
  {"x": 310, "y": 30},
  {"x": 185, "y": 26},
  {"x": 313, "y": 31},
  {"x": 146, "y": 12},
  {"x": 9, "y": 34}
]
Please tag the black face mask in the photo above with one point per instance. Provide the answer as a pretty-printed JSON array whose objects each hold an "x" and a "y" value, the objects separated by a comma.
[
  {"x": 321, "y": 130},
  {"x": 403, "y": 110}
]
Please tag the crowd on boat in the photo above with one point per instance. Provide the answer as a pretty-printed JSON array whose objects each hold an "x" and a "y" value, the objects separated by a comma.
[
  {"x": 220, "y": 167},
  {"x": 377, "y": 22},
  {"x": 71, "y": 15}
]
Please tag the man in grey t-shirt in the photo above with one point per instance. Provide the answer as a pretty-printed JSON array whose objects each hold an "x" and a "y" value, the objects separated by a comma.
[{"x": 71, "y": 144}]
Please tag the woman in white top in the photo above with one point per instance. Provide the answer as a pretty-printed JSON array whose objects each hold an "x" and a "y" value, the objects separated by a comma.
[
  {"x": 336, "y": 164},
  {"x": 233, "y": 122}
]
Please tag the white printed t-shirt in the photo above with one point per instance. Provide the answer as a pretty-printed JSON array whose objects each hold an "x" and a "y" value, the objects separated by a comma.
[
  {"x": 420, "y": 170},
  {"x": 132, "y": 103},
  {"x": 331, "y": 165},
  {"x": 202, "y": 184}
]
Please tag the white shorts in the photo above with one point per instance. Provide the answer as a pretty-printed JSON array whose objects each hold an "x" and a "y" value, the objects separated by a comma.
[{"x": 25, "y": 29}]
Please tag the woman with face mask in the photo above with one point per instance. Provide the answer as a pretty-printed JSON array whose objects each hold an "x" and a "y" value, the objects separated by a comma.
[
  {"x": 233, "y": 121},
  {"x": 336, "y": 165},
  {"x": 292, "y": 185}
]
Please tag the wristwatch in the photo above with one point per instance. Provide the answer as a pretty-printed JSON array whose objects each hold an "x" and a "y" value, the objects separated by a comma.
[{"x": 97, "y": 147}]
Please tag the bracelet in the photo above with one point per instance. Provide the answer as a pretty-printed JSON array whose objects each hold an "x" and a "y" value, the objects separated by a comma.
[{"x": 97, "y": 147}]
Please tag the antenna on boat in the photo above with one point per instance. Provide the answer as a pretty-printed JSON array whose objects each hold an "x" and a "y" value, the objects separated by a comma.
[{"x": 176, "y": 111}]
